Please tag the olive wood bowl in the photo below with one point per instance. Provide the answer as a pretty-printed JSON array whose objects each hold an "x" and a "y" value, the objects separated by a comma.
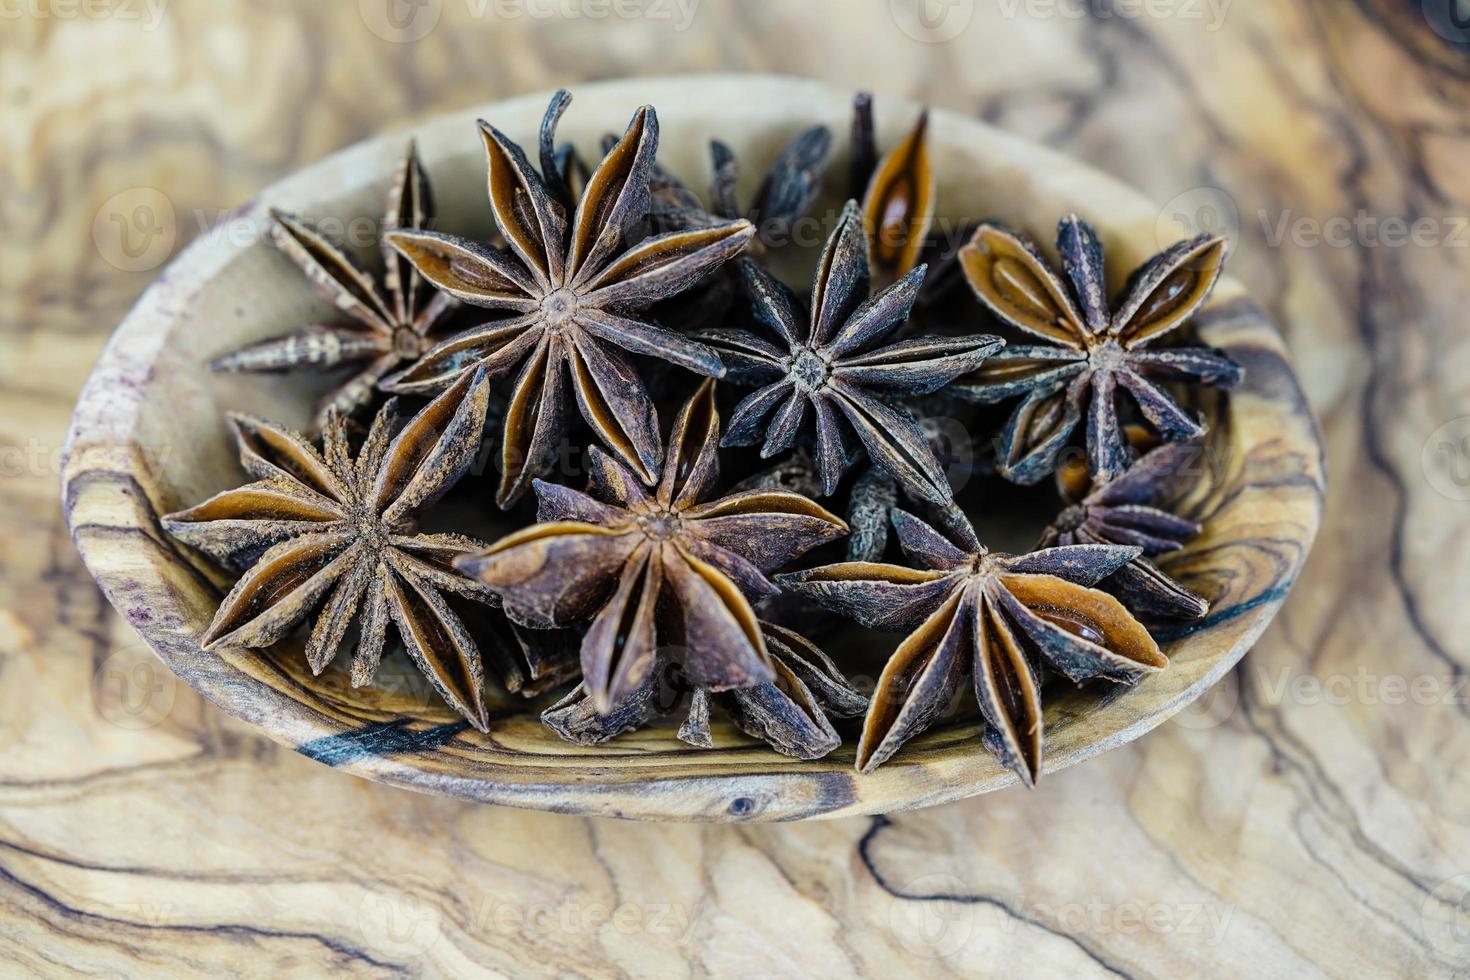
[{"x": 150, "y": 436}]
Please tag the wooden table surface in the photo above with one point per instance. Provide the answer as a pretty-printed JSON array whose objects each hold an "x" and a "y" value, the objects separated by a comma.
[{"x": 1303, "y": 820}]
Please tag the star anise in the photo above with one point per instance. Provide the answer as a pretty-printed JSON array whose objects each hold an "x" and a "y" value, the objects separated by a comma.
[
  {"x": 992, "y": 616},
  {"x": 898, "y": 192},
  {"x": 391, "y": 324},
  {"x": 1121, "y": 511},
  {"x": 316, "y": 523},
  {"x": 786, "y": 190},
  {"x": 569, "y": 285},
  {"x": 836, "y": 366},
  {"x": 1091, "y": 349},
  {"x": 791, "y": 713},
  {"x": 644, "y": 565}
]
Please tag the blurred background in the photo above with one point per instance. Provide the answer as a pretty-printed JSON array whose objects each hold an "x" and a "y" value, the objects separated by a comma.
[{"x": 1266, "y": 830}]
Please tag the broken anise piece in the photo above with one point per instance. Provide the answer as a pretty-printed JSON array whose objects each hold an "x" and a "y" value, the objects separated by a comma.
[
  {"x": 1091, "y": 349},
  {"x": 791, "y": 713},
  {"x": 644, "y": 566},
  {"x": 837, "y": 365},
  {"x": 570, "y": 284},
  {"x": 970, "y": 610},
  {"x": 1121, "y": 511},
  {"x": 390, "y": 325},
  {"x": 898, "y": 192},
  {"x": 316, "y": 523}
]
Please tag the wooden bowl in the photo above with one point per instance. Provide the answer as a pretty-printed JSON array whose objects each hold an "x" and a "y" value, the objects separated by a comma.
[{"x": 149, "y": 437}]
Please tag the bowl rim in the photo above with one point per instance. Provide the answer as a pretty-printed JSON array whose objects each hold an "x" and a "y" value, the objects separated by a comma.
[{"x": 106, "y": 498}]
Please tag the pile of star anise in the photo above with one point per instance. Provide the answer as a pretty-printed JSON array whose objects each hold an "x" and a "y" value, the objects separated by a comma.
[{"x": 651, "y": 585}]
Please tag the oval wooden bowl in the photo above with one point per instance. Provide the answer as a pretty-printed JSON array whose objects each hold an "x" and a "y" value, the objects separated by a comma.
[{"x": 149, "y": 437}]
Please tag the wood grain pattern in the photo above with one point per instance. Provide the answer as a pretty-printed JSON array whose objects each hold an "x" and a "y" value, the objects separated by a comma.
[{"x": 1305, "y": 820}]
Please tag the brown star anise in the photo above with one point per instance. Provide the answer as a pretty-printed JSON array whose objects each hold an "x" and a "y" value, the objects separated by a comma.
[
  {"x": 1121, "y": 511},
  {"x": 836, "y": 366},
  {"x": 320, "y": 522},
  {"x": 786, "y": 190},
  {"x": 390, "y": 326},
  {"x": 990, "y": 615},
  {"x": 569, "y": 285},
  {"x": 898, "y": 192},
  {"x": 1091, "y": 349},
  {"x": 645, "y": 565},
  {"x": 791, "y": 713}
]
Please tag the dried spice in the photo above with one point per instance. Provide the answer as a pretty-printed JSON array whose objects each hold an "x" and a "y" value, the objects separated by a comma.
[
  {"x": 1091, "y": 349},
  {"x": 321, "y": 526},
  {"x": 792, "y": 712},
  {"x": 648, "y": 600},
  {"x": 644, "y": 566},
  {"x": 1121, "y": 511},
  {"x": 836, "y": 366},
  {"x": 569, "y": 286},
  {"x": 898, "y": 192},
  {"x": 787, "y": 189},
  {"x": 392, "y": 323},
  {"x": 992, "y": 616}
]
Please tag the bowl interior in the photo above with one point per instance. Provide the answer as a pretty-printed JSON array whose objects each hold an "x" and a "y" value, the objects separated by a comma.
[{"x": 150, "y": 437}]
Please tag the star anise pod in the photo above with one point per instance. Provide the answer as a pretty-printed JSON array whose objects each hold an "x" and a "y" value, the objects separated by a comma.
[
  {"x": 787, "y": 189},
  {"x": 838, "y": 366},
  {"x": 569, "y": 285},
  {"x": 392, "y": 322},
  {"x": 1121, "y": 511},
  {"x": 1091, "y": 349},
  {"x": 324, "y": 526},
  {"x": 898, "y": 192},
  {"x": 990, "y": 615},
  {"x": 644, "y": 565},
  {"x": 791, "y": 713}
]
